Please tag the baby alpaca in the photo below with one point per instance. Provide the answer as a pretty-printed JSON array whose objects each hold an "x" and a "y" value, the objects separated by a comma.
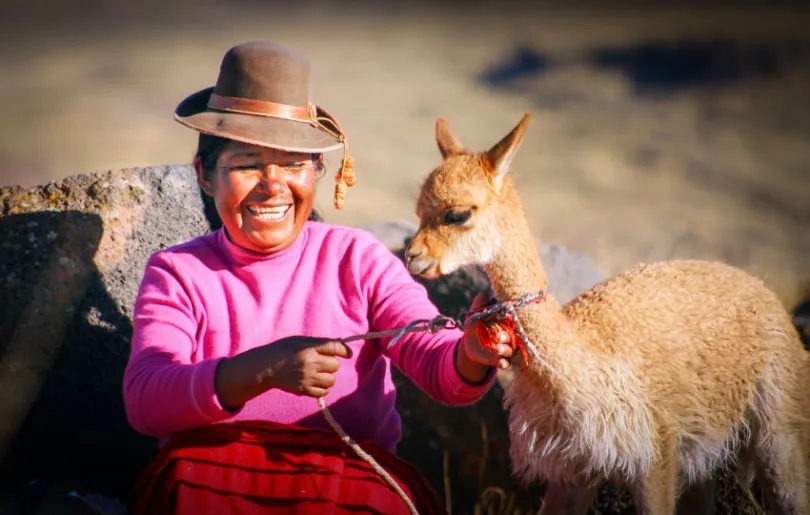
[{"x": 651, "y": 379}]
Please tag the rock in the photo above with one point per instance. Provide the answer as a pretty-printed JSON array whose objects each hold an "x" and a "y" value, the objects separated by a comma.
[
  {"x": 72, "y": 255},
  {"x": 393, "y": 233}
]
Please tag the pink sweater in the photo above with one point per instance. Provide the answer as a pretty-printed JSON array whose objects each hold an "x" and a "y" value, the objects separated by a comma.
[{"x": 207, "y": 299}]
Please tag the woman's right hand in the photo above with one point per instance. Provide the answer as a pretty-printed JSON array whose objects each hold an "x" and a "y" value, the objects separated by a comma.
[{"x": 300, "y": 365}]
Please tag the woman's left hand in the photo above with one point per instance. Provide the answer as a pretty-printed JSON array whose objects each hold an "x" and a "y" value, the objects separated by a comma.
[{"x": 474, "y": 360}]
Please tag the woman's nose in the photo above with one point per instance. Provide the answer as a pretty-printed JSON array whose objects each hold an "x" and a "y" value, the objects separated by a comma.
[{"x": 273, "y": 179}]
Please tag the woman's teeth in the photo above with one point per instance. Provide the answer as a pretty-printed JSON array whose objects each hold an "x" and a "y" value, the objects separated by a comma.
[{"x": 269, "y": 213}]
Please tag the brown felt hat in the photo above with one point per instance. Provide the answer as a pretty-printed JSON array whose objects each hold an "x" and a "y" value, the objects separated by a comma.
[{"x": 262, "y": 97}]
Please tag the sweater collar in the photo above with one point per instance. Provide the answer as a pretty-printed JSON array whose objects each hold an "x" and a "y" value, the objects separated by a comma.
[{"x": 244, "y": 257}]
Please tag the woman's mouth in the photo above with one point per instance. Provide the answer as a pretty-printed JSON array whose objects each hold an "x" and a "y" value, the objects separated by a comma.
[{"x": 269, "y": 214}]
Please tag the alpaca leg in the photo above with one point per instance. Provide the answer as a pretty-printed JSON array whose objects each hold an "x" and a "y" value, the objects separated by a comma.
[
  {"x": 567, "y": 500},
  {"x": 655, "y": 493},
  {"x": 655, "y": 496},
  {"x": 782, "y": 473}
]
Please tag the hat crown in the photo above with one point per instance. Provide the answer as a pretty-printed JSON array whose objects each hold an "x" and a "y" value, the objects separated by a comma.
[{"x": 265, "y": 71}]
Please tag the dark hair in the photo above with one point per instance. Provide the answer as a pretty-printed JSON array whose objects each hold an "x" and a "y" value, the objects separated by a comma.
[{"x": 209, "y": 148}]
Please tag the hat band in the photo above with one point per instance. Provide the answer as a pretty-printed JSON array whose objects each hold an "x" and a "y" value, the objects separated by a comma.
[{"x": 262, "y": 108}]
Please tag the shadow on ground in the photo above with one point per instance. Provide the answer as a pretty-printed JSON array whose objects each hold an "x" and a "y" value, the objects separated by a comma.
[
  {"x": 664, "y": 67},
  {"x": 668, "y": 67}
]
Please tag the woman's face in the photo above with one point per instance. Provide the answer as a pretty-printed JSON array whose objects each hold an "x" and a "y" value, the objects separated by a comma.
[{"x": 264, "y": 196}]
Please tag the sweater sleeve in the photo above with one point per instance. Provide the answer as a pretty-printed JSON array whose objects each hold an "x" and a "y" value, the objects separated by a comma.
[
  {"x": 395, "y": 300},
  {"x": 164, "y": 392}
]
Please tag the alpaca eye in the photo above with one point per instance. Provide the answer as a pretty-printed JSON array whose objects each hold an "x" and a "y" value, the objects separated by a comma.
[{"x": 458, "y": 217}]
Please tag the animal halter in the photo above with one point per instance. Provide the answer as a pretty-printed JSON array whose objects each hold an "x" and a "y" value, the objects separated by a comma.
[
  {"x": 505, "y": 320},
  {"x": 503, "y": 317}
]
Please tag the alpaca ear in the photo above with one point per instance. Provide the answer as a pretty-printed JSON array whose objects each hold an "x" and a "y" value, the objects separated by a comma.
[
  {"x": 500, "y": 156},
  {"x": 449, "y": 145}
]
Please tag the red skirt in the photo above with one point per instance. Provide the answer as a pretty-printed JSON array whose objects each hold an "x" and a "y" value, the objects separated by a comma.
[{"x": 261, "y": 467}]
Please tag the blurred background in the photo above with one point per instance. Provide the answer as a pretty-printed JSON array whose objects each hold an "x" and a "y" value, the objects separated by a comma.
[{"x": 661, "y": 129}]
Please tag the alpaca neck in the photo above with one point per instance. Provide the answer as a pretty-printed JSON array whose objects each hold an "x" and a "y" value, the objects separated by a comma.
[{"x": 517, "y": 270}]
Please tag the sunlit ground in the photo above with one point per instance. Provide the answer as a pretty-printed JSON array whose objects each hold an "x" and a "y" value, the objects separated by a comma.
[{"x": 697, "y": 146}]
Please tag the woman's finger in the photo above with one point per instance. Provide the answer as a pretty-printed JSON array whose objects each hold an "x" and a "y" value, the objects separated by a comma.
[
  {"x": 505, "y": 351},
  {"x": 328, "y": 364},
  {"x": 503, "y": 337},
  {"x": 323, "y": 380},
  {"x": 313, "y": 391}
]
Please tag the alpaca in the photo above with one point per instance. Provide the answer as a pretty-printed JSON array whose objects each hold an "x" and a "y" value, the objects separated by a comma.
[{"x": 651, "y": 379}]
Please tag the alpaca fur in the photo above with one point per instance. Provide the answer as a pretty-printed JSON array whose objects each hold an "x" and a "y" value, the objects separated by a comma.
[{"x": 654, "y": 377}]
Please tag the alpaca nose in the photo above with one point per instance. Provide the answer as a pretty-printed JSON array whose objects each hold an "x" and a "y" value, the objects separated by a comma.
[
  {"x": 417, "y": 259},
  {"x": 412, "y": 253}
]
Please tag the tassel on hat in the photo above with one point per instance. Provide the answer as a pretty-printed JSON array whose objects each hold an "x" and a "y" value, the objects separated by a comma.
[{"x": 345, "y": 178}]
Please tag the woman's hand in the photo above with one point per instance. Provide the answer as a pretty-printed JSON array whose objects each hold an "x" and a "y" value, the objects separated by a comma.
[
  {"x": 473, "y": 361},
  {"x": 300, "y": 365}
]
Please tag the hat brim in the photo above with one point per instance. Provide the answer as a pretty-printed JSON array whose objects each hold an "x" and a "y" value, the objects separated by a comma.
[{"x": 265, "y": 131}]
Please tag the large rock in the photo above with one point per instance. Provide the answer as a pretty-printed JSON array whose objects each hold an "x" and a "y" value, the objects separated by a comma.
[{"x": 71, "y": 257}]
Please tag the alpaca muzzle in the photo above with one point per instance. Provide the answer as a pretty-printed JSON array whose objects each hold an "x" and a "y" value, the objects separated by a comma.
[{"x": 417, "y": 261}]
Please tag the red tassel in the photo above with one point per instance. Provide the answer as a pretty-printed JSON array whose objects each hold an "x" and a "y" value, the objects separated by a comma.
[{"x": 488, "y": 332}]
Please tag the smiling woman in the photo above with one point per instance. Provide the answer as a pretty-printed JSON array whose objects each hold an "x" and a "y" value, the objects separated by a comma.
[
  {"x": 264, "y": 195},
  {"x": 236, "y": 332}
]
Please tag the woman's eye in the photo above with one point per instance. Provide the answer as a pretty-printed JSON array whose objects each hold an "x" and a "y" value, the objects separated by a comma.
[
  {"x": 458, "y": 217},
  {"x": 258, "y": 167},
  {"x": 254, "y": 166}
]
